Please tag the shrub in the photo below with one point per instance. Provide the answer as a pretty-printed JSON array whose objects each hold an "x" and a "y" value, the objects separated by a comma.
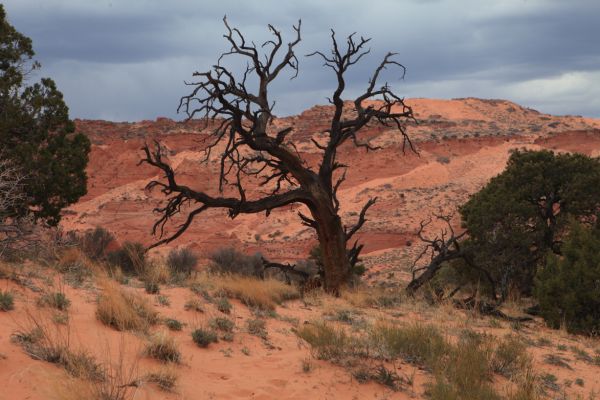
[
  {"x": 7, "y": 301},
  {"x": 94, "y": 243},
  {"x": 263, "y": 294},
  {"x": 151, "y": 287},
  {"x": 223, "y": 305},
  {"x": 222, "y": 324},
  {"x": 164, "y": 378},
  {"x": 56, "y": 300},
  {"x": 75, "y": 265},
  {"x": 203, "y": 337},
  {"x": 45, "y": 342},
  {"x": 416, "y": 343},
  {"x": 257, "y": 327},
  {"x": 182, "y": 261},
  {"x": 163, "y": 347},
  {"x": 510, "y": 356},
  {"x": 464, "y": 373},
  {"x": 567, "y": 287},
  {"x": 229, "y": 260},
  {"x": 131, "y": 258},
  {"x": 173, "y": 324},
  {"x": 193, "y": 305},
  {"x": 124, "y": 310},
  {"x": 327, "y": 341}
]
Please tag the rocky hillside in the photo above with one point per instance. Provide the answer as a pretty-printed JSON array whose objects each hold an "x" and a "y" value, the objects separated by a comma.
[{"x": 461, "y": 144}]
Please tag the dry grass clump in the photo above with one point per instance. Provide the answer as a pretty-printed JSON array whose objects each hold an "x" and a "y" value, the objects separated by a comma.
[
  {"x": 51, "y": 343},
  {"x": 56, "y": 300},
  {"x": 372, "y": 297},
  {"x": 263, "y": 294},
  {"x": 181, "y": 263},
  {"x": 194, "y": 305},
  {"x": 203, "y": 337},
  {"x": 257, "y": 327},
  {"x": 163, "y": 347},
  {"x": 7, "y": 301},
  {"x": 416, "y": 343},
  {"x": 222, "y": 324},
  {"x": 165, "y": 378},
  {"x": 76, "y": 266},
  {"x": 119, "y": 383},
  {"x": 329, "y": 342},
  {"x": 124, "y": 310},
  {"x": 173, "y": 324},
  {"x": 510, "y": 357},
  {"x": 463, "y": 369}
]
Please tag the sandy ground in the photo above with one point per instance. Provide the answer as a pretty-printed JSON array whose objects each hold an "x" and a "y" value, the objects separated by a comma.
[
  {"x": 461, "y": 144},
  {"x": 250, "y": 367}
]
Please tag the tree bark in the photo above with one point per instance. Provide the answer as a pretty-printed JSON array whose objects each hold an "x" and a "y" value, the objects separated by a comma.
[{"x": 332, "y": 239}]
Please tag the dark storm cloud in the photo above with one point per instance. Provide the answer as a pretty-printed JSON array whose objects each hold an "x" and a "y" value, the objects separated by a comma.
[{"x": 127, "y": 59}]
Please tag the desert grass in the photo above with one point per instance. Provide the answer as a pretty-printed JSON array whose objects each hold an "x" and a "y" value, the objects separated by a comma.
[
  {"x": 257, "y": 327},
  {"x": 173, "y": 324},
  {"x": 163, "y": 347},
  {"x": 165, "y": 378},
  {"x": 7, "y": 301},
  {"x": 253, "y": 292},
  {"x": 121, "y": 381},
  {"x": 203, "y": 337},
  {"x": 462, "y": 367},
  {"x": 44, "y": 340},
  {"x": 156, "y": 272},
  {"x": 222, "y": 324},
  {"x": 329, "y": 342},
  {"x": 366, "y": 297},
  {"x": 57, "y": 300},
  {"x": 124, "y": 310}
]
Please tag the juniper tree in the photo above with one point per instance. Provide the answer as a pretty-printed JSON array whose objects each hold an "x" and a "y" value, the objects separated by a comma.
[{"x": 36, "y": 133}]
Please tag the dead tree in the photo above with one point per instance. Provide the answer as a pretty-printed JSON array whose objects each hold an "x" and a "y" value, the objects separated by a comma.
[
  {"x": 251, "y": 147},
  {"x": 442, "y": 248},
  {"x": 12, "y": 195}
]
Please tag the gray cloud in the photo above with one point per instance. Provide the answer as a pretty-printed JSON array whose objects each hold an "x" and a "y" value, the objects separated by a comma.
[{"x": 127, "y": 59}]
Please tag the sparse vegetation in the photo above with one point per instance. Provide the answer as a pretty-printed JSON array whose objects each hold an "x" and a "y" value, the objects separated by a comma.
[
  {"x": 131, "y": 258},
  {"x": 165, "y": 378},
  {"x": 94, "y": 244},
  {"x": 461, "y": 370},
  {"x": 124, "y": 310},
  {"x": 173, "y": 324},
  {"x": 257, "y": 327},
  {"x": 193, "y": 305},
  {"x": 263, "y": 294},
  {"x": 163, "y": 347},
  {"x": 327, "y": 341},
  {"x": 222, "y": 324},
  {"x": 204, "y": 337},
  {"x": 230, "y": 261},
  {"x": 181, "y": 262},
  {"x": 51, "y": 343},
  {"x": 223, "y": 305},
  {"x": 56, "y": 300},
  {"x": 151, "y": 287},
  {"x": 7, "y": 301}
]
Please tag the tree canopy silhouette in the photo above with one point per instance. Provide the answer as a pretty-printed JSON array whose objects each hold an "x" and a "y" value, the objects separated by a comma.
[
  {"x": 36, "y": 133},
  {"x": 241, "y": 109}
]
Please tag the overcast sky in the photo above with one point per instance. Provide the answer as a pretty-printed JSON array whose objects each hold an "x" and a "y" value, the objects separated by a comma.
[{"x": 127, "y": 60}]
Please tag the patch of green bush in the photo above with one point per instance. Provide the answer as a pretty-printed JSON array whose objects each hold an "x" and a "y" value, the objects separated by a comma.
[{"x": 567, "y": 286}]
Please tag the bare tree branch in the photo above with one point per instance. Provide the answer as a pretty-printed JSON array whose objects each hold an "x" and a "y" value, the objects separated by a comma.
[{"x": 239, "y": 112}]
